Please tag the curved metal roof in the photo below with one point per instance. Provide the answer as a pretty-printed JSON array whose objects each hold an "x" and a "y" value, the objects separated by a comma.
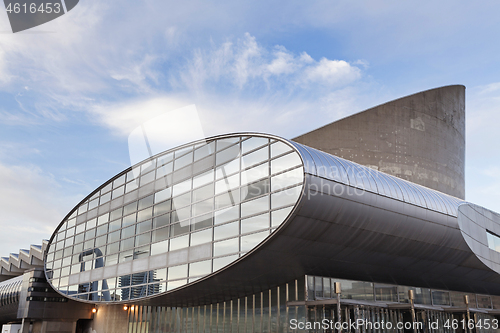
[{"x": 331, "y": 167}]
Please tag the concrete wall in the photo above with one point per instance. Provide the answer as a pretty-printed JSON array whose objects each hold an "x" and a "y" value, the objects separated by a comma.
[{"x": 420, "y": 138}]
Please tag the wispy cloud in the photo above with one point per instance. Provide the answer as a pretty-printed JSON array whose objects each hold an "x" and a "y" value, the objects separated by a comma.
[
  {"x": 244, "y": 64},
  {"x": 31, "y": 206}
]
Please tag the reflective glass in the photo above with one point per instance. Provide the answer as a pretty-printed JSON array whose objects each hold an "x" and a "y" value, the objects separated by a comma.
[
  {"x": 255, "y": 206},
  {"x": 285, "y": 162},
  {"x": 179, "y": 242},
  {"x": 161, "y": 234},
  {"x": 255, "y": 223},
  {"x": 226, "y": 247},
  {"x": 227, "y": 155},
  {"x": 227, "y": 214},
  {"x": 204, "y": 151},
  {"x": 161, "y": 247},
  {"x": 201, "y": 237},
  {"x": 183, "y": 161},
  {"x": 250, "y": 241},
  {"x": 153, "y": 219},
  {"x": 162, "y": 208},
  {"x": 227, "y": 184},
  {"x": 254, "y": 173},
  {"x": 279, "y": 148},
  {"x": 286, "y": 197},
  {"x": 226, "y": 230},
  {"x": 218, "y": 263},
  {"x": 203, "y": 179},
  {"x": 200, "y": 268},
  {"x": 286, "y": 179},
  {"x": 253, "y": 143}
]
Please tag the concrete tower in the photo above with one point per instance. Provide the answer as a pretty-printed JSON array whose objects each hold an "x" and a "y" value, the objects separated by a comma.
[{"x": 420, "y": 138}]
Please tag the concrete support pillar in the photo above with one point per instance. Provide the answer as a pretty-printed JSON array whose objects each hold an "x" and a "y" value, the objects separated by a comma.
[{"x": 25, "y": 326}]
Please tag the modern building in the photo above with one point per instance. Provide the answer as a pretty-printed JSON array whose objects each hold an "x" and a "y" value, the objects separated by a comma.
[{"x": 361, "y": 221}]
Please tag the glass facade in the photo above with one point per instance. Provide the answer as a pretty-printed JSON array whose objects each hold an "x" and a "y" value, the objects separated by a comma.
[
  {"x": 305, "y": 305},
  {"x": 175, "y": 218}
]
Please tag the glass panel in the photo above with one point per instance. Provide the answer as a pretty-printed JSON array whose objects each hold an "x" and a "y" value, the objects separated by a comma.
[
  {"x": 356, "y": 290},
  {"x": 143, "y": 239},
  {"x": 162, "y": 207},
  {"x": 183, "y": 161},
  {"x": 226, "y": 230},
  {"x": 285, "y": 162},
  {"x": 228, "y": 214},
  {"x": 228, "y": 154},
  {"x": 179, "y": 242},
  {"x": 182, "y": 200},
  {"x": 181, "y": 214},
  {"x": 255, "y": 190},
  {"x": 287, "y": 179},
  {"x": 177, "y": 272},
  {"x": 200, "y": 268},
  {"x": 145, "y": 202},
  {"x": 204, "y": 151},
  {"x": 386, "y": 293},
  {"x": 161, "y": 234},
  {"x": 286, "y": 197},
  {"x": 203, "y": 207},
  {"x": 201, "y": 237},
  {"x": 128, "y": 232},
  {"x": 226, "y": 247},
  {"x": 278, "y": 216},
  {"x": 202, "y": 221},
  {"x": 224, "y": 261},
  {"x": 279, "y": 148},
  {"x": 162, "y": 160},
  {"x": 175, "y": 284},
  {"x": 161, "y": 247},
  {"x": 129, "y": 219},
  {"x": 255, "y": 206},
  {"x": 227, "y": 184},
  {"x": 229, "y": 198},
  {"x": 255, "y": 157},
  {"x": 162, "y": 195},
  {"x": 144, "y": 226},
  {"x": 145, "y": 214},
  {"x": 255, "y": 173},
  {"x": 483, "y": 301},
  {"x": 203, "y": 193},
  {"x": 178, "y": 229},
  {"x": 255, "y": 223},
  {"x": 181, "y": 187},
  {"x": 440, "y": 297},
  {"x": 250, "y": 241},
  {"x": 253, "y": 143},
  {"x": 127, "y": 244},
  {"x": 203, "y": 179}
]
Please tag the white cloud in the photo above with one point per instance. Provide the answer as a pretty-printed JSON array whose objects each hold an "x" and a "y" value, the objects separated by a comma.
[
  {"x": 332, "y": 72},
  {"x": 247, "y": 65},
  {"x": 31, "y": 207}
]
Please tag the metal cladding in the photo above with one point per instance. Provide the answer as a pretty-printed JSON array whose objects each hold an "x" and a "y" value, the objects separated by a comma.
[
  {"x": 286, "y": 210},
  {"x": 419, "y": 138}
]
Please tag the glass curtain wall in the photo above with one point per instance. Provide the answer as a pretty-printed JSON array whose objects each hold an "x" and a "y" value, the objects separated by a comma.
[{"x": 130, "y": 239}]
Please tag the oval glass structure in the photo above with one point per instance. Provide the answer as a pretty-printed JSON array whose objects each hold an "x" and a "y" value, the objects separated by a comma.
[{"x": 174, "y": 218}]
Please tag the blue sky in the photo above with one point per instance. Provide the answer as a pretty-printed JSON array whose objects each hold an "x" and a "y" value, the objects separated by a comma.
[{"x": 72, "y": 90}]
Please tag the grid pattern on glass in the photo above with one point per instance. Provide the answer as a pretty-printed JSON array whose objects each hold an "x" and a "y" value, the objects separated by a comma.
[{"x": 223, "y": 197}]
